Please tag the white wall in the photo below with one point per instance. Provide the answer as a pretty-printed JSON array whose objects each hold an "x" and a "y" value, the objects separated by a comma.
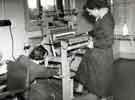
[
  {"x": 127, "y": 49},
  {"x": 15, "y": 12}
]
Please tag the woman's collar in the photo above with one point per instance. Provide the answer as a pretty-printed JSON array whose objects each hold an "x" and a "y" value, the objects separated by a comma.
[{"x": 102, "y": 12}]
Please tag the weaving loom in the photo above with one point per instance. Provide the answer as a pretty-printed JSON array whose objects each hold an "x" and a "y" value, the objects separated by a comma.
[{"x": 69, "y": 41}]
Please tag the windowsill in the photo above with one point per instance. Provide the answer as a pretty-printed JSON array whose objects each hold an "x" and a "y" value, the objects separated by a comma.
[{"x": 122, "y": 37}]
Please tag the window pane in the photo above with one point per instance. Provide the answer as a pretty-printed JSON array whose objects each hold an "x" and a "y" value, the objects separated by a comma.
[
  {"x": 48, "y": 5},
  {"x": 32, "y": 4}
]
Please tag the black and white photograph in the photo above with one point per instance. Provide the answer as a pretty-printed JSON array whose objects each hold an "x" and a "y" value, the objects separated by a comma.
[{"x": 67, "y": 50}]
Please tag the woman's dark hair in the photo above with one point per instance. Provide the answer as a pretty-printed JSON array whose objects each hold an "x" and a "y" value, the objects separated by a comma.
[
  {"x": 91, "y": 4},
  {"x": 38, "y": 53}
]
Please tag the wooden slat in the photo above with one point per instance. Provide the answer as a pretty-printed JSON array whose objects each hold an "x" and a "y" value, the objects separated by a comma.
[
  {"x": 54, "y": 59},
  {"x": 77, "y": 46},
  {"x": 66, "y": 82}
]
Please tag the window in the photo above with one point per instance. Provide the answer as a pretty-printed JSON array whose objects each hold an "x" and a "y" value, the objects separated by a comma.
[
  {"x": 48, "y": 5},
  {"x": 33, "y": 11},
  {"x": 123, "y": 11}
]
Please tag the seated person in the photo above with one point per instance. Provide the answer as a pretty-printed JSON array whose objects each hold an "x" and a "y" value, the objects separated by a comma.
[{"x": 22, "y": 73}]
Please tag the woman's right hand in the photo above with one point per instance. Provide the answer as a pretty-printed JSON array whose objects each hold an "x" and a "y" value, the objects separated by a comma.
[{"x": 90, "y": 42}]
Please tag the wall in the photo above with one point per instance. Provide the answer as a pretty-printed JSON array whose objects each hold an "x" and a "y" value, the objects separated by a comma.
[
  {"x": 14, "y": 12},
  {"x": 116, "y": 49},
  {"x": 124, "y": 14},
  {"x": 127, "y": 49}
]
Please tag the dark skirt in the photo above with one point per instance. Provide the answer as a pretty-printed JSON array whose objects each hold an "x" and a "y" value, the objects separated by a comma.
[{"x": 95, "y": 71}]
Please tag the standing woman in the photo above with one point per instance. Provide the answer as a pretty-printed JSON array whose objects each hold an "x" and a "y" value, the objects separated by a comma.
[{"x": 95, "y": 71}]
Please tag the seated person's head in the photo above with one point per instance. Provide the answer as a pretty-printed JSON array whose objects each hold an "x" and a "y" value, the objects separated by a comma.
[{"x": 38, "y": 53}]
